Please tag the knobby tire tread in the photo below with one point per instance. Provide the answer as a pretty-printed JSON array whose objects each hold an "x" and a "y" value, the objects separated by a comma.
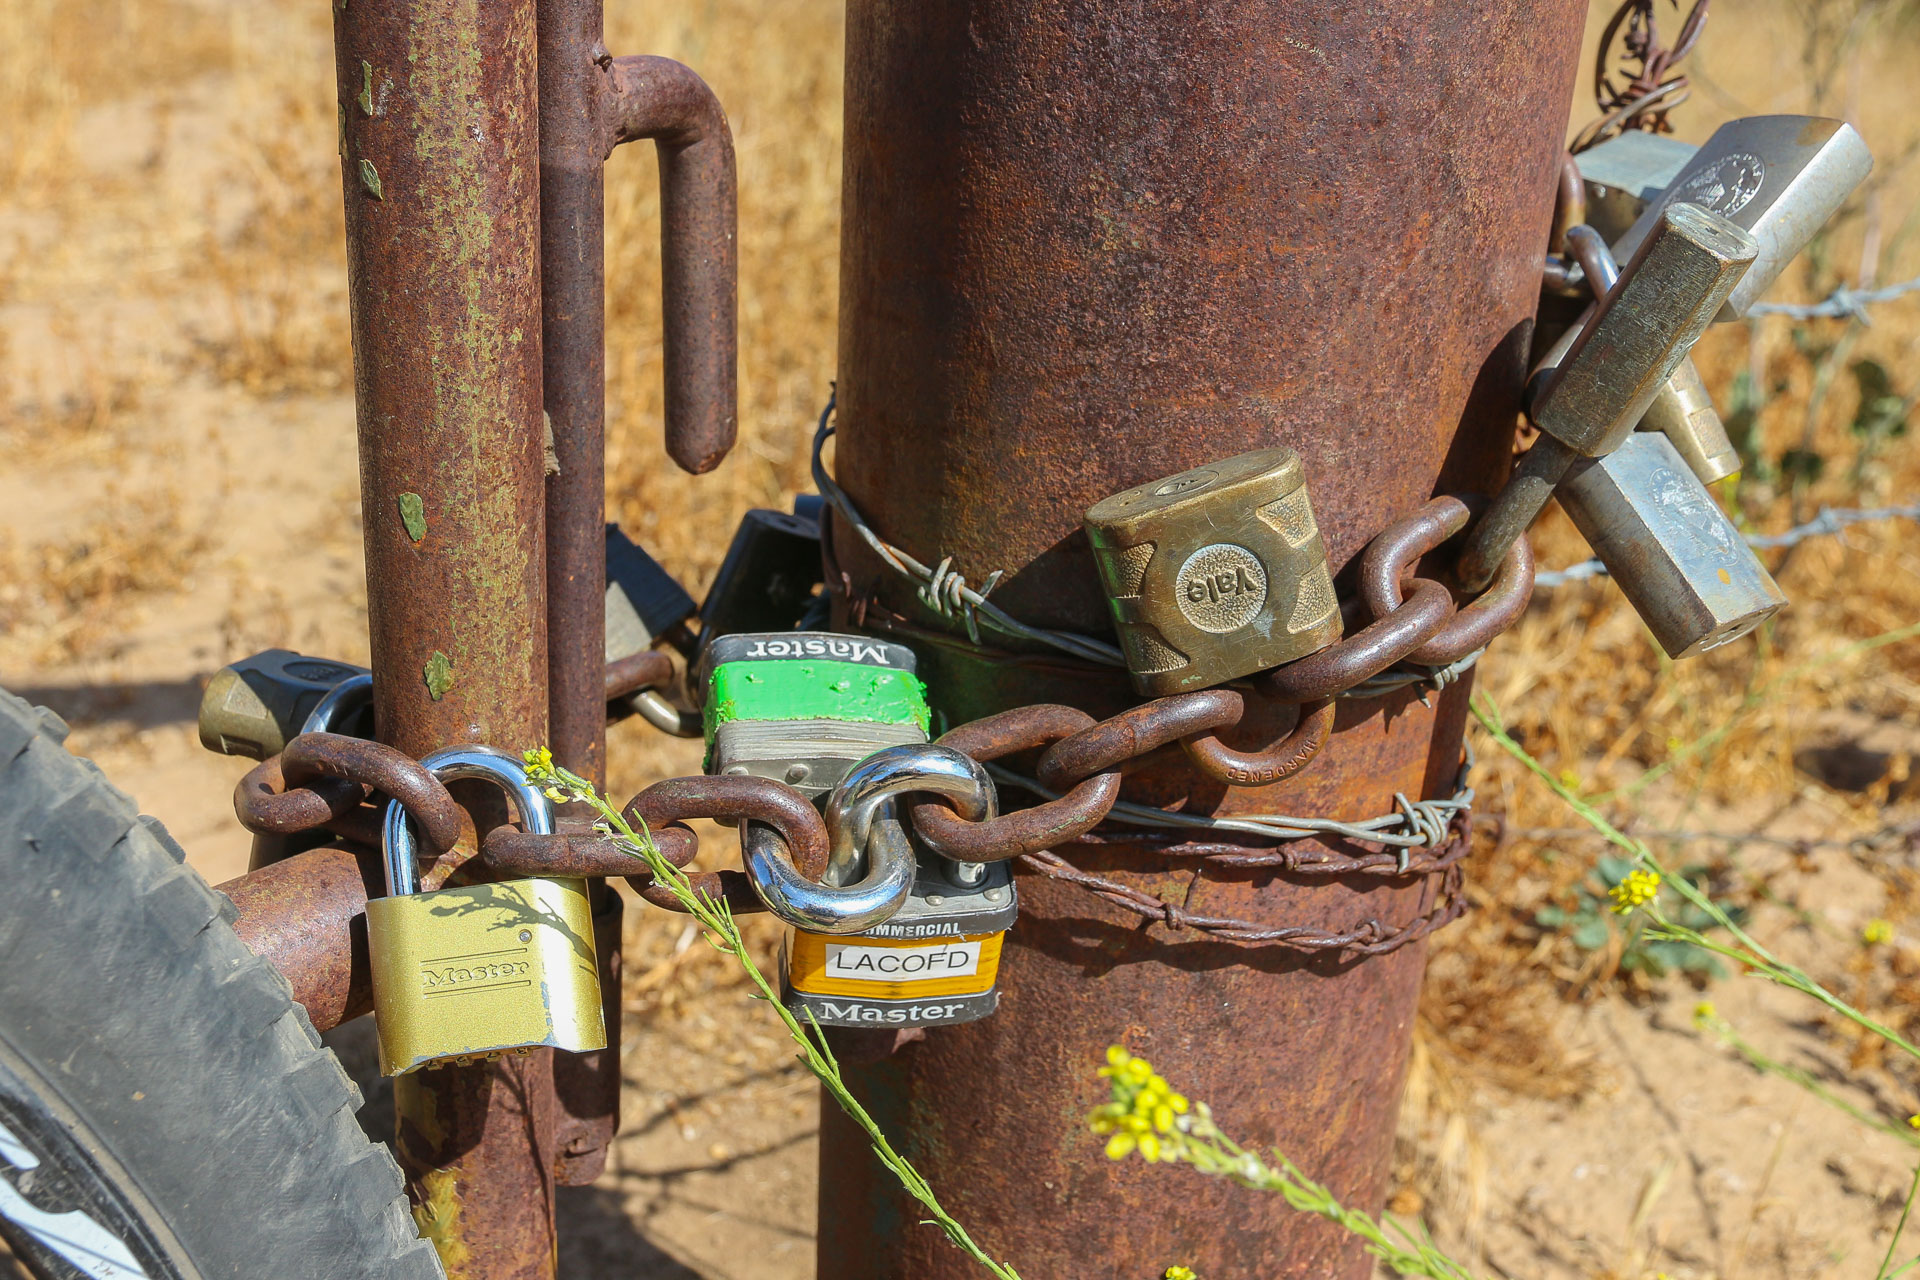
[{"x": 128, "y": 991}]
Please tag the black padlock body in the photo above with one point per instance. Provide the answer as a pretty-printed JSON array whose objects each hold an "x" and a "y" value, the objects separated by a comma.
[
  {"x": 644, "y": 602},
  {"x": 769, "y": 577}
]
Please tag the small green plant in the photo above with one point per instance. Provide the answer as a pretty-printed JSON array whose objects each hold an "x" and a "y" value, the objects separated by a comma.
[{"x": 1594, "y": 920}]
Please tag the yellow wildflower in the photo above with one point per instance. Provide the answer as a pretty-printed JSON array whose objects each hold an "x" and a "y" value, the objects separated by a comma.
[
  {"x": 1637, "y": 890},
  {"x": 539, "y": 760},
  {"x": 556, "y": 795},
  {"x": 1877, "y": 932},
  {"x": 1120, "y": 1146},
  {"x": 1913, "y": 1122},
  {"x": 1178, "y": 1273},
  {"x": 1149, "y": 1147},
  {"x": 1704, "y": 1012}
]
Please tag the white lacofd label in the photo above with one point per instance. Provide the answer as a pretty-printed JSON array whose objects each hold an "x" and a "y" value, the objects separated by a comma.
[{"x": 902, "y": 964}]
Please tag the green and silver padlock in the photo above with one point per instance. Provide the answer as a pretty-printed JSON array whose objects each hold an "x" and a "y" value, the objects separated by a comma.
[
  {"x": 895, "y": 935},
  {"x": 485, "y": 969},
  {"x": 801, "y": 707}
]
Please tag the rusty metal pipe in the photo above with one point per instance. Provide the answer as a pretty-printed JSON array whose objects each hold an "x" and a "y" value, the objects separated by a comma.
[
  {"x": 1084, "y": 245},
  {"x": 589, "y": 104},
  {"x": 440, "y": 155},
  {"x": 573, "y": 344},
  {"x": 306, "y": 916}
]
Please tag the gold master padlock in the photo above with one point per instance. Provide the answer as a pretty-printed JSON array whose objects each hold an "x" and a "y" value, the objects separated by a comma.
[
  {"x": 1215, "y": 573},
  {"x": 483, "y": 969}
]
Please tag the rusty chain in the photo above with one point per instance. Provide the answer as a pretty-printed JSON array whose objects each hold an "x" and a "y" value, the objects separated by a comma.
[{"x": 329, "y": 781}]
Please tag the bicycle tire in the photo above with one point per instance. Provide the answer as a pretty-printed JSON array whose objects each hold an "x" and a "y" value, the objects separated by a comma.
[{"x": 166, "y": 1110}]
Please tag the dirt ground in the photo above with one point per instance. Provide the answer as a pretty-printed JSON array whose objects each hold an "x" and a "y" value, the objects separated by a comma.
[{"x": 179, "y": 490}]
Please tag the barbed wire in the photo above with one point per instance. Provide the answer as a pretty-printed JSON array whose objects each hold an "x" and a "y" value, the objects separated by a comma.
[
  {"x": 1831, "y": 520},
  {"x": 1843, "y": 303},
  {"x": 942, "y": 588}
]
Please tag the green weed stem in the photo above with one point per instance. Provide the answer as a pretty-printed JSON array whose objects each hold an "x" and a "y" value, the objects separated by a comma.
[
  {"x": 1750, "y": 954},
  {"x": 717, "y": 918}
]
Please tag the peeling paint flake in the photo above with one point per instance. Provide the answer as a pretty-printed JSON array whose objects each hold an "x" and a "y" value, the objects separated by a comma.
[
  {"x": 413, "y": 514},
  {"x": 439, "y": 673},
  {"x": 370, "y": 179},
  {"x": 366, "y": 86}
]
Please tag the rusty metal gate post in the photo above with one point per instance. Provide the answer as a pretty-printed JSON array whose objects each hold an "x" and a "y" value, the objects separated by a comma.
[
  {"x": 440, "y": 156},
  {"x": 1088, "y": 243}
]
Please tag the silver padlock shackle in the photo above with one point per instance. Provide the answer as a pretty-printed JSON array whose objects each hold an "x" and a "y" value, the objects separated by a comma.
[
  {"x": 826, "y": 908},
  {"x": 340, "y": 704},
  {"x": 1596, "y": 260},
  {"x": 892, "y": 771},
  {"x": 449, "y": 764}
]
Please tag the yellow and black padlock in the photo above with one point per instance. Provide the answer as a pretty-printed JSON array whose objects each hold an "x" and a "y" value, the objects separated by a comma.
[{"x": 484, "y": 969}]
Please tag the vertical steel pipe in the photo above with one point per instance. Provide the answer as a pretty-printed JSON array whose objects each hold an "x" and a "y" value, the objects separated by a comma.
[
  {"x": 573, "y": 348},
  {"x": 1091, "y": 242},
  {"x": 440, "y": 159},
  {"x": 590, "y": 103}
]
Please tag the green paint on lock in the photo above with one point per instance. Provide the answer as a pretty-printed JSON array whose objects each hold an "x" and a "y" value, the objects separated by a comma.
[{"x": 822, "y": 690}]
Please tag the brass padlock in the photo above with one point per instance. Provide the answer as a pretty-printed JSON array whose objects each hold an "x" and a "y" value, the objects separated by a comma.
[
  {"x": 1679, "y": 561},
  {"x": 485, "y": 969},
  {"x": 1684, "y": 413},
  {"x": 1215, "y": 573},
  {"x": 254, "y": 707}
]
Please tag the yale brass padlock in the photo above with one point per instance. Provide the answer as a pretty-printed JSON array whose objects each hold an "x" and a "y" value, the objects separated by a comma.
[
  {"x": 484, "y": 969},
  {"x": 1215, "y": 573}
]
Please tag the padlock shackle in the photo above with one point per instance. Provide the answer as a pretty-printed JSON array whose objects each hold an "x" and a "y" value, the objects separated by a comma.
[
  {"x": 449, "y": 764},
  {"x": 911, "y": 767},
  {"x": 826, "y": 908},
  {"x": 340, "y": 704}
]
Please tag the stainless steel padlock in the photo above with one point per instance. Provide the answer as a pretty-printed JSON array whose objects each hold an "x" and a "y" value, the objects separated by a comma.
[
  {"x": 1215, "y": 573},
  {"x": 645, "y": 605},
  {"x": 1625, "y": 174},
  {"x": 1779, "y": 178},
  {"x": 1681, "y": 410},
  {"x": 935, "y": 959},
  {"x": 480, "y": 970},
  {"x": 1679, "y": 561},
  {"x": 1615, "y": 366}
]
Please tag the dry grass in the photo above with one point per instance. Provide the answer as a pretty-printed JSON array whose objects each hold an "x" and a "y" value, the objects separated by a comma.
[{"x": 80, "y": 593}]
